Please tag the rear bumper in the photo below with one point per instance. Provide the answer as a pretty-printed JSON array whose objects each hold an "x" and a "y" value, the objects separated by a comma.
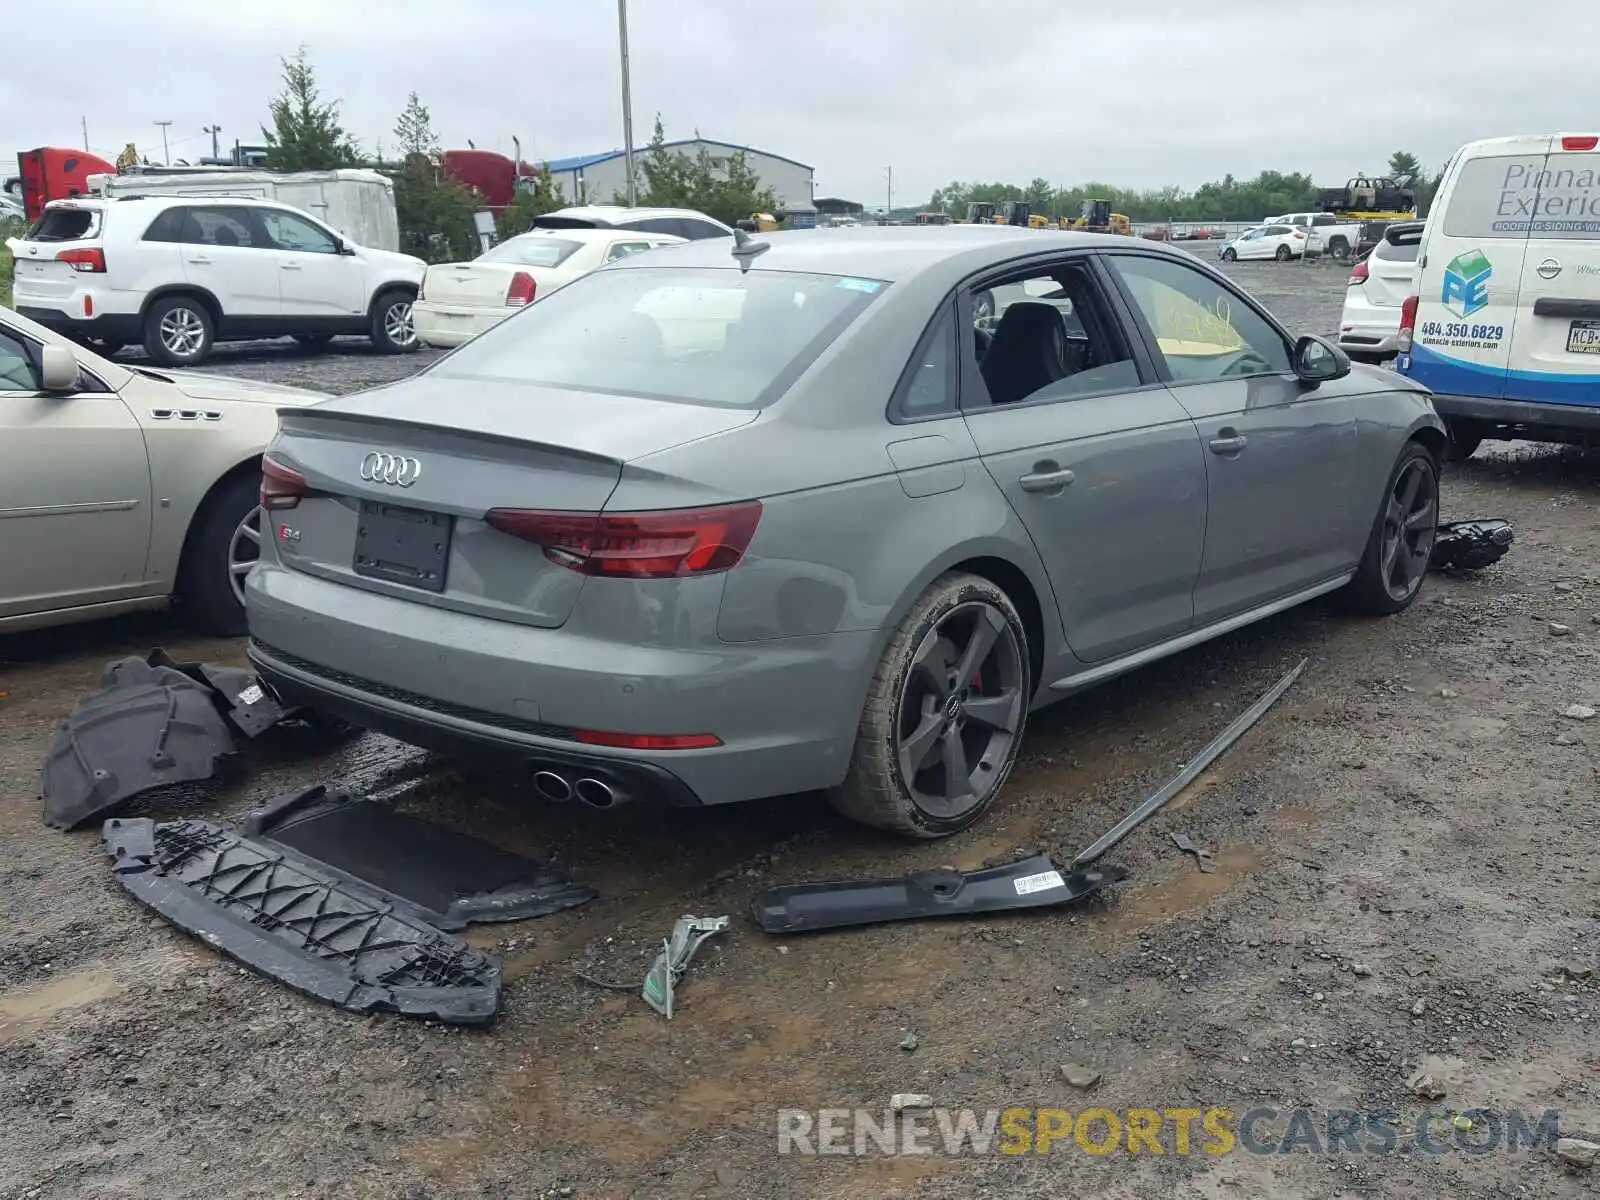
[
  {"x": 112, "y": 327},
  {"x": 786, "y": 711},
  {"x": 1575, "y": 419},
  {"x": 449, "y": 325}
]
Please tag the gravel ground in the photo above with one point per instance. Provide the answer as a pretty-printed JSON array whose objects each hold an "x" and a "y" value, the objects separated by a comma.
[{"x": 1405, "y": 877}]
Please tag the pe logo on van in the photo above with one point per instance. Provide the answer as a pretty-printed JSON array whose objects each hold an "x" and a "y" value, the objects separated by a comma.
[{"x": 1466, "y": 283}]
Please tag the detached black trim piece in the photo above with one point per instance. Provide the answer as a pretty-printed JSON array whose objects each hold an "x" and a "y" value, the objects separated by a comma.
[
  {"x": 148, "y": 727},
  {"x": 1470, "y": 545},
  {"x": 289, "y": 920},
  {"x": 1032, "y": 883}
]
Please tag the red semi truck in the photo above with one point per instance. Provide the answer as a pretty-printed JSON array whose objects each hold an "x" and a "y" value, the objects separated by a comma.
[{"x": 52, "y": 173}]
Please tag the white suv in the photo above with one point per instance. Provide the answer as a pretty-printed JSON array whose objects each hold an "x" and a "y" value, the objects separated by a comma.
[
  {"x": 180, "y": 273},
  {"x": 676, "y": 222}
]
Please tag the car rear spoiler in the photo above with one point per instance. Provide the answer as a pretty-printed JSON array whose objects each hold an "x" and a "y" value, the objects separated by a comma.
[{"x": 565, "y": 223}]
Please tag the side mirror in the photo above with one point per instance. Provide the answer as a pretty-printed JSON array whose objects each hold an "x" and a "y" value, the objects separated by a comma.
[
  {"x": 1317, "y": 360},
  {"x": 346, "y": 248},
  {"x": 58, "y": 370}
]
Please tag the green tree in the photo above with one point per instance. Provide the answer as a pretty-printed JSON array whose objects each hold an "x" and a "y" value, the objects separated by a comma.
[
  {"x": 673, "y": 179},
  {"x": 1403, "y": 164},
  {"x": 306, "y": 134},
  {"x": 534, "y": 197},
  {"x": 434, "y": 213},
  {"x": 414, "y": 130}
]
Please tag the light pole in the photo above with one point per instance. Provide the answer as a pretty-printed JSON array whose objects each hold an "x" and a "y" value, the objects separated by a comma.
[
  {"x": 213, "y": 130},
  {"x": 889, "y": 199},
  {"x": 627, "y": 102},
  {"x": 166, "y": 155}
]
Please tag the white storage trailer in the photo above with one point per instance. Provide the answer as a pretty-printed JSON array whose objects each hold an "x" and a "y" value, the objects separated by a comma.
[{"x": 356, "y": 203}]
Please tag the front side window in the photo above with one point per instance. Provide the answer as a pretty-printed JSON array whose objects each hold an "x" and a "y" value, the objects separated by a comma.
[
  {"x": 18, "y": 373},
  {"x": 289, "y": 232},
  {"x": 695, "y": 335},
  {"x": 1203, "y": 331}
]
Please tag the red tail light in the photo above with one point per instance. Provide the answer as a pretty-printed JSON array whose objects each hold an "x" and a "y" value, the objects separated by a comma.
[
  {"x": 1586, "y": 142},
  {"x": 281, "y": 487},
  {"x": 522, "y": 289},
  {"x": 1358, "y": 273},
  {"x": 1408, "y": 324},
  {"x": 646, "y": 545},
  {"x": 84, "y": 260}
]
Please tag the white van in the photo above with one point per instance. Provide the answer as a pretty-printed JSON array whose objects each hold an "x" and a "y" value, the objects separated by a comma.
[{"x": 1505, "y": 326}]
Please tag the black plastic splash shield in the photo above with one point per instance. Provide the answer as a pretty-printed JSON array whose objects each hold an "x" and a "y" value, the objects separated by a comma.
[
  {"x": 1032, "y": 883},
  {"x": 247, "y": 703},
  {"x": 149, "y": 726},
  {"x": 289, "y": 920},
  {"x": 1470, "y": 545},
  {"x": 437, "y": 875}
]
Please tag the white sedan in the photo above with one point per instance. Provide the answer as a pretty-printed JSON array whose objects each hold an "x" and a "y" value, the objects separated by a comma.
[
  {"x": 460, "y": 300},
  {"x": 1281, "y": 242},
  {"x": 124, "y": 488}
]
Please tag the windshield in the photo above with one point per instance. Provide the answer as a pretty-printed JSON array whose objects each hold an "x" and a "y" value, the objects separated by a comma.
[
  {"x": 698, "y": 336},
  {"x": 532, "y": 252}
]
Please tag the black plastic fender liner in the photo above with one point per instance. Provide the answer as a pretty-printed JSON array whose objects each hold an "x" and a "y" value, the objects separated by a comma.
[
  {"x": 433, "y": 874},
  {"x": 247, "y": 703},
  {"x": 148, "y": 727},
  {"x": 286, "y": 919},
  {"x": 1036, "y": 882}
]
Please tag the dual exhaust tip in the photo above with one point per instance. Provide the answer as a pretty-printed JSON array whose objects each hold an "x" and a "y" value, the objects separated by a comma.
[{"x": 596, "y": 793}]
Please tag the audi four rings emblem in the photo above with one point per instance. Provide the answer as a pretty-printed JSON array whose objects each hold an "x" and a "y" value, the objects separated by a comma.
[{"x": 396, "y": 470}]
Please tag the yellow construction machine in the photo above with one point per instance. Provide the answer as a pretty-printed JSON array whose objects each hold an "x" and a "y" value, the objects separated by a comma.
[{"x": 1097, "y": 217}]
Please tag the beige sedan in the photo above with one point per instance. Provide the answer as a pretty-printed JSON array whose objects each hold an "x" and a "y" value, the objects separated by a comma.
[
  {"x": 123, "y": 488},
  {"x": 460, "y": 300}
]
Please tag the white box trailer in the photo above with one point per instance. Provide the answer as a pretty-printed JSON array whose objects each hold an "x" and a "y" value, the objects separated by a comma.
[{"x": 354, "y": 202}]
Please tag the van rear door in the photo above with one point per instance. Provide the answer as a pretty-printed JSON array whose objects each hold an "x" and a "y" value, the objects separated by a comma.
[
  {"x": 1555, "y": 344},
  {"x": 1472, "y": 262}
]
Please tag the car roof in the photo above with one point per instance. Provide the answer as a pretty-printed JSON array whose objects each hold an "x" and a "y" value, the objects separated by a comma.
[
  {"x": 156, "y": 198},
  {"x": 892, "y": 253},
  {"x": 603, "y": 234}
]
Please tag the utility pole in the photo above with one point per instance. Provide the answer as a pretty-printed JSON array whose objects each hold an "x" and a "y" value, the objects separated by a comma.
[
  {"x": 889, "y": 204},
  {"x": 213, "y": 130},
  {"x": 166, "y": 155},
  {"x": 85, "y": 121},
  {"x": 627, "y": 102}
]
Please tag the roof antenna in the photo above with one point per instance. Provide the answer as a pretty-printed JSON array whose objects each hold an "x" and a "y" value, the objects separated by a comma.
[{"x": 747, "y": 248}]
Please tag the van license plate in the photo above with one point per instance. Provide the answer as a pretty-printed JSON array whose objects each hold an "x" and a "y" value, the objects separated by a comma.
[
  {"x": 1584, "y": 337},
  {"x": 403, "y": 545}
]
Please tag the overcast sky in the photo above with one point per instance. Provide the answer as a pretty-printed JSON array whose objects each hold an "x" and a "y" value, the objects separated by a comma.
[{"x": 1134, "y": 92}]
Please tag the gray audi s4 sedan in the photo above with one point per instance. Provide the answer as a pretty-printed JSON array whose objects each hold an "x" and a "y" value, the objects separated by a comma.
[{"x": 834, "y": 509}]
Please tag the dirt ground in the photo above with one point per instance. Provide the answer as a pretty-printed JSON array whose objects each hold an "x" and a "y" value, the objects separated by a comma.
[{"x": 1407, "y": 874}]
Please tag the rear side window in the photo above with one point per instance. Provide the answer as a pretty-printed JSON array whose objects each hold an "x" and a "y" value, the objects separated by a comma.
[
  {"x": 65, "y": 225},
  {"x": 657, "y": 225},
  {"x": 1514, "y": 196},
  {"x": 223, "y": 227},
  {"x": 696, "y": 336},
  {"x": 532, "y": 252},
  {"x": 168, "y": 227},
  {"x": 692, "y": 229}
]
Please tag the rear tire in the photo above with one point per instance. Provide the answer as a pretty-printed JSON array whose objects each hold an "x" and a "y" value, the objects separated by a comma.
[
  {"x": 1283, "y": 254},
  {"x": 207, "y": 582},
  {"x": 1395, "y": 562},
  {"x": 952, "y": 687},
  {"x": 1339, "y": 248},
  {"x": 179, "y": 331},
  {"x": 1465, "y": 438},
  {"x": 392, "y": 331},
  {"x": 1230, "y": 255}
]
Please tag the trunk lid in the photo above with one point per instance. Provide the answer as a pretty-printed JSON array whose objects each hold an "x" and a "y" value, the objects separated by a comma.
[
  {"x": 401, "y": 479},
  {"x": 475, "y": 284}
]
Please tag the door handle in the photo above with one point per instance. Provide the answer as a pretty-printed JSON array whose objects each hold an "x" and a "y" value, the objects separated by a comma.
[
  {"x": 1227, "y": 443},
  {"x": 1046, "y": 477},
  {"x": 199, "y": 262},
  {"x": 288, "y": 266}
]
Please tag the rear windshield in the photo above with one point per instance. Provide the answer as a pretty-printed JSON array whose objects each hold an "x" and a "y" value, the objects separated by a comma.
[
  {"x": 1515, "y": 196},
  {"x": 65, "y": 225},
  {"x": 1399, "y": 245},
  {"x": 532, "y": 252},
  {"x": 693, "y": 335}
]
